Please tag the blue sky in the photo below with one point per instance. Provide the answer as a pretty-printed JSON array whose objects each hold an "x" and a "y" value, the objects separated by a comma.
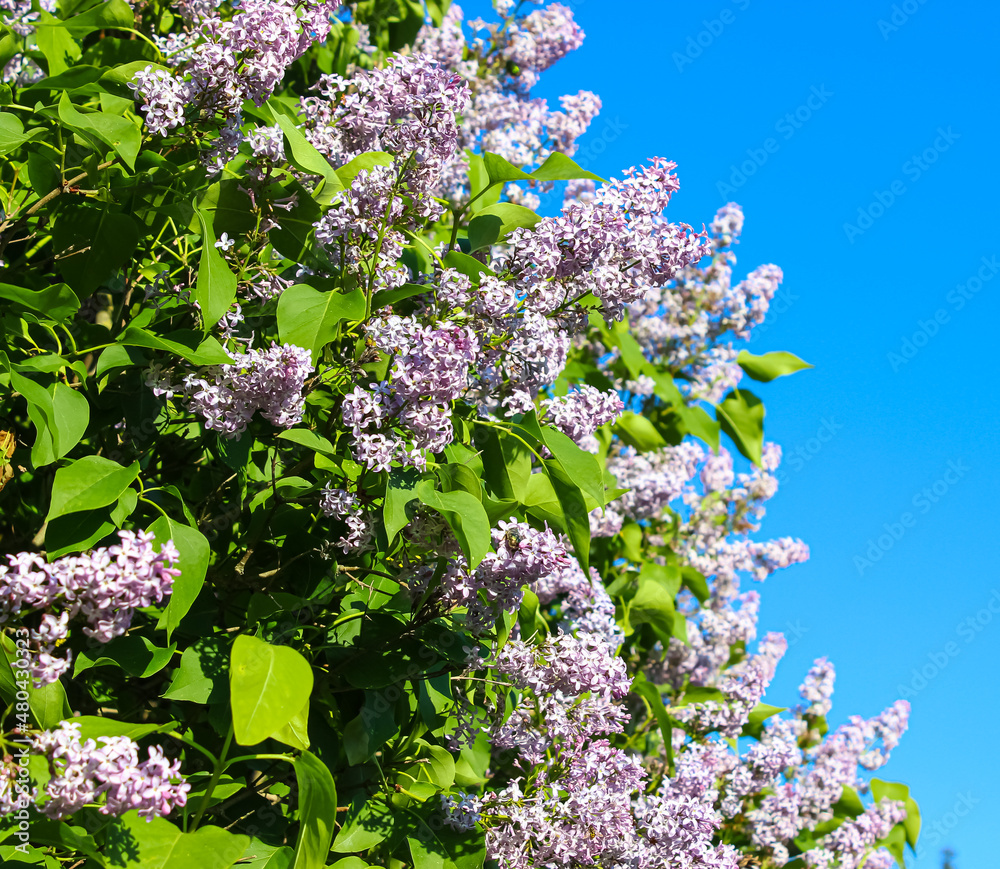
[{"x": 877, "y": 196}]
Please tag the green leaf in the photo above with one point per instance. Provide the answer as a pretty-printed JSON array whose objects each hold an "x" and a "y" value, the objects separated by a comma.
[
  {"x": 56, "y": 43},
  {"x": 897, "y": 791},
  {"x": 741, "y": 415},
  {"x": 700, "y": 424},
  {"x": 293, "y": 235},
  {"x": 136, "y": 655},
  {"x": 305, "y": 157},
  {"x": 90, "y": 482},
  {"x": 117, "y": 80},
  {"x": 695, "y": 583},
  {"x": 317, "y": 812},
  {"x": 701, "y": 694},
  {"x": 467, "y": 265},
  {"x": 466, "y": 516},
  {"x": 296, "y": 732},
  {"x": 194, "y": 552},
  {"x": 48, "y": 705},
  {"x": 158, "y": 844},
  {"x": 308, "y": 318},
  {"x": 189, "y": 681},
  {"x": 649, "y": 692},
  {"x": 367, "y": 823},
  {"x": 849, "y": 805},
  {"x": 58, "y": 301},
  {"x": 370, "y": 729},
  {"x": 71, "y": 412},
  {"x": 77, "y": 531},
  {"x": 184, "y": 343},
  {"x": 639, "y": 432},
  {"x": 500, "y": 170},
  {"x": 575, "y": 513},
  {"x": 12, "y": 134},
  {"x": 112, "y": 15},
  {"x": 581, "y": 467},
  {"x": 760, "y": 713},
  {"x": 386, "y": 298},
  {"x": 66, "y": 837},
  {"x": 493, "y": 223},
  {"x": 229, "y": 207},
  {"x": 400, "y": 492},
  {"x": 306, "y": 437},
  {"x": 215, "y": 289},
  {"x": 765, "y": 368},
  {"x": 117, "y": 357},
  {"x": 653, "y": 604},
  {"x": 506, "y": 463},
  {"x": 368, "y": 160},
  {"x": 483, "y": 192},
  {"x": 268, "y": 685},
  {"x": 120, "y": 133},
  {"x": 93, "y": 244},
  {"x": 559, "y": 167}
]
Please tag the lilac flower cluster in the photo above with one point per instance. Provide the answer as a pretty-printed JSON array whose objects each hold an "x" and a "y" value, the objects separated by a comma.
[
  {"x": 227, "y": 396},
  {"x": 615, "y": 247},
  {"x": 408, "y": 108},
  {"x": 236, "y": 60},
  {"x": 817, "y": 689},
  {"x": 849, "y": 845},
  {"x": 582, "y": 411},
  {"x": 522, "y": 556},
  {"x": 430, "y": 370},
  {"x": 104, "y": 586},
  {"x": 360, "y": 231},
  {"x": 572, "y": 686},
  {"x": 580, "y": 819},
  {"x": 84, "y": 771},
  {"x": 342, "y": 504},
  {"x": 744, "y": 685},
  {"x": 683, "y": 321},
  {"x": 654, "y": 478},
  {"x": 805, "y": 799},
  {"x": 500, "y": 71}
]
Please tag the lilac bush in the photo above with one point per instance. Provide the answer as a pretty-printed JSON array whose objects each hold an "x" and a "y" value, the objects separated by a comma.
[{"x": 356, "y": 509}]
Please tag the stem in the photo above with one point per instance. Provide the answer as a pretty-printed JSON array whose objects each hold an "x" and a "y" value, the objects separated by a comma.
[
  {"x": 219, "y": 766},
  {"x": 246, "y": 758}
]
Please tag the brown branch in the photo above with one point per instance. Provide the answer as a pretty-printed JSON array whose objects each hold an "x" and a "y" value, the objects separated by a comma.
[{"x": 64, "y": 187}]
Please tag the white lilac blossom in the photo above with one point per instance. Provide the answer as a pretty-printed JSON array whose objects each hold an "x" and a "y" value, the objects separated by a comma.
[
  {"x": 84, "y": 771},
  {"x": 104, "y": 587},
  {"x": 271, "y": 381}
]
